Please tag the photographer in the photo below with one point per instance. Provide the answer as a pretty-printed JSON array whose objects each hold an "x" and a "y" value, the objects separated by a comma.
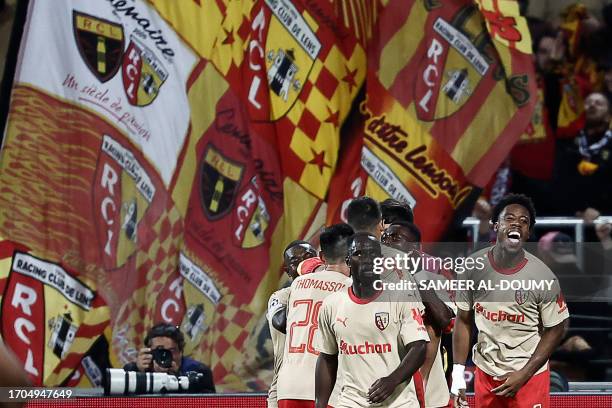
[{"x": 163, "y": 353}]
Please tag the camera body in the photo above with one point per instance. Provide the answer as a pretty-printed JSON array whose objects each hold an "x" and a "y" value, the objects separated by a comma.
[
  {"x": 120, "y": 382},
  {"x": 163, "y": 357}
]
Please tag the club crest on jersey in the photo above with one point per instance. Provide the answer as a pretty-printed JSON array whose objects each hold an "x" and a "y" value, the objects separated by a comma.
[
  {"x": 382, "y": 320},
  {"x": 219, "y": 181},
  {"x": 143, "y": 73},
  {"x": 291, "y": 49},
  {"x": 521, "y": 296},
  {"x": 62, "y": 334},
  {"x": 100, "y": 43},
  {"x": 454, "y": 65}
]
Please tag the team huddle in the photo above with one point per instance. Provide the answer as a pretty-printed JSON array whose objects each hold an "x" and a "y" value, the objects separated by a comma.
[{"x": 340, "y": 342}]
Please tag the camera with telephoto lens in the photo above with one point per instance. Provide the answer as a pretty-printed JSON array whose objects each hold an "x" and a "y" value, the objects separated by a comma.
[
  {"x": 120, "y": 382},
  {"x": 163, "y": 357}
]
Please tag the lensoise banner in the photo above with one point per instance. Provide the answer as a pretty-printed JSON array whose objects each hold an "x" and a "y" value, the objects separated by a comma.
[
  {"x": 170, "y": 162},
  {"x": 450, "y": 89}
]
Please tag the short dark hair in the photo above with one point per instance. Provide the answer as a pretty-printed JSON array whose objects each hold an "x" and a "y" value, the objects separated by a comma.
[
  {"x": 411, "y": 227},
  {"x": 360, "y": 234},
  {"x": 166, "y": 330},
  {"x": 295, "y": 243},
  {"x": 394, "y": 210},
  {"x": 334, "y": 241},
  {"x": 519, "y": 199},
  {"x": 363, "y": 213}
]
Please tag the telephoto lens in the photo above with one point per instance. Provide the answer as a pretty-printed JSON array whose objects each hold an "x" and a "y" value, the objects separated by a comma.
[{"x": 120, "y": 382}]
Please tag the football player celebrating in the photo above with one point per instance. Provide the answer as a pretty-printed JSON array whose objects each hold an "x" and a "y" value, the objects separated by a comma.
[
  {"x": 406, "y": 237},
  {"x": 294, "y": 254},
  {"x": 295, "y": 386},
  {"x": 373, "y": 344},
  {"x": 511, "y": 353}
]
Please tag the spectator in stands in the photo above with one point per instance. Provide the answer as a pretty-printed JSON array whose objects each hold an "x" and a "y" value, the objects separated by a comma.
[
  {"x": 532, "y": 159},
  {"x": 163, "y": 353},
  {"x": 580, "y": 287},
  {"x": 583, "y": 167}
]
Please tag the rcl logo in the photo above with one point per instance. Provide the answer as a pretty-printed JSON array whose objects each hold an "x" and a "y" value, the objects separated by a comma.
[
  {"x": 108, "y": 207},
  {"x": 24, "y": 301},
  {"x": 256, "y": 67},
  {"x": 173, "y": 307},
  {"x": 431, "y": 76},
  {"x": 251, "y": 218}
]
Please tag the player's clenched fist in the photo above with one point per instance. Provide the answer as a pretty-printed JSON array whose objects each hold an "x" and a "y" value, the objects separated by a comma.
[
  {"x": 143, "y": 362},
  {"x": 382, "y": 389}
]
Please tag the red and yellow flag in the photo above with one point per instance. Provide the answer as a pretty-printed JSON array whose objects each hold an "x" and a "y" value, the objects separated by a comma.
[{"x": 450, "y": 88}]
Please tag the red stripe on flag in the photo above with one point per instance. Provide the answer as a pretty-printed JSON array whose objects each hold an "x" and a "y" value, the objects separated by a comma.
[
  {"x": 490, "y": 161},
  {"x": 197, "y": 70},
  {"x": 459, "y": 121},
  {"x": 386, "y": 28}
]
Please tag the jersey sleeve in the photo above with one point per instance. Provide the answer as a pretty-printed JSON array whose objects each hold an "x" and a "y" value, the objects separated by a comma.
[
  {"x": 277, "y": 301},
  {"x": 412, "y": 326},
  {"x": 325, "y": 338},
  {"x": 552, "y": 307},
  {"x": 464, "y": 299}
]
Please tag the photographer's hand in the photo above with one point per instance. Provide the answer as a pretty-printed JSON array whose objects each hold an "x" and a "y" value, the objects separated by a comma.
[{"x": 144, "y": 359}]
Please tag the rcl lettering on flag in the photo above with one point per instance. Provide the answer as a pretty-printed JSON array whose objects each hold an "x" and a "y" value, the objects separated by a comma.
[
  {"x": 46, "y": 314},
  {"x": 449, "y": 91}
]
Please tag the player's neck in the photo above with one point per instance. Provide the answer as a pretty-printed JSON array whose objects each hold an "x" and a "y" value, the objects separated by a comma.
[
  {"x": 364, "y": 290},
  {"x": 340, "y": 268},
  {"x": 505, "y": 259}
]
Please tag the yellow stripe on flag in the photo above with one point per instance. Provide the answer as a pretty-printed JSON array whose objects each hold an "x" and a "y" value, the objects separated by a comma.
[{"x": 401, "y": 47}]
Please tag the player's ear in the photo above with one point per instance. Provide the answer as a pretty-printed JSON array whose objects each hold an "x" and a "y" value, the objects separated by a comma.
[{"x": 495, "y": 226}]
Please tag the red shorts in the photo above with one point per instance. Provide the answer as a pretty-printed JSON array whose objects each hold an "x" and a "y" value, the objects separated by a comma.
[
  {"x": 291, "y": 403},
  {"x": 418, "y": 387},
  {"x": 534, "y": 394}
]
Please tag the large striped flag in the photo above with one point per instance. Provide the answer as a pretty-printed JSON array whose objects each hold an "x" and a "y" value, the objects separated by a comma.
[
  {"x": 51, "y": 319},
  {"x": 166, "y": 152},
  {"x": 449, "y": 90},
  {"x": 277, "y": 81}
]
